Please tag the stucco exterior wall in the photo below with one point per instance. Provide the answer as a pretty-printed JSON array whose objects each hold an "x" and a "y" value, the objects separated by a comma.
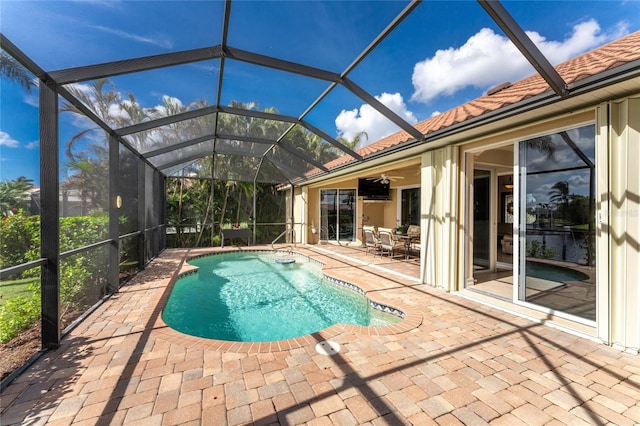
[{"x": 621, "y": 227}]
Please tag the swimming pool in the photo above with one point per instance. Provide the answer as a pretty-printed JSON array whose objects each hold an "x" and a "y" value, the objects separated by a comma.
[
  {"x": 551, "y": 272},
  {"x": 248, "y": 297}
]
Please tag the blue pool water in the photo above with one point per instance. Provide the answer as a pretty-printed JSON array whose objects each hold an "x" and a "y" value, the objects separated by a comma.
[
  {"x": 249, "y": 297},
  {"x": 553, "y": 273}
]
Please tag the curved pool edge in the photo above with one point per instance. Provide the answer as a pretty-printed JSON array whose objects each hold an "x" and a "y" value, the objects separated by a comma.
[{"x": 410, "y": 319}]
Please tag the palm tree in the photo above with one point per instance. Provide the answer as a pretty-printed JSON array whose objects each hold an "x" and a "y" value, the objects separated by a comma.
[
  {"x": 245, "y": 188},
  {"x": 229, "y": 186},
  {"x": 90, "y": 178},
  {"x": 353, "y": 143},
  {"x": 13, "y": 195},
  {"x": 87, "y": 157},
  {"x": 99, "y": 98},
  {"x": 559, "y": 194},
  {"x": 310, "y": 144},
  {"x": 544, "y": 144},
  {"x": 196, "y": 203},
  {"x": 13, "y": 70}
]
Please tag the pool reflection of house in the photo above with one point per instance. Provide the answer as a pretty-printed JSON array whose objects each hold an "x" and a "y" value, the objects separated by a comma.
[{"x": 520, "y": 174}]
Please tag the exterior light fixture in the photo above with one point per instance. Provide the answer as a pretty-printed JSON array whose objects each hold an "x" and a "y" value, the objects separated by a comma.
[
  {"x": 118, "y": 201},
  {"x": 509, "y": 185}
]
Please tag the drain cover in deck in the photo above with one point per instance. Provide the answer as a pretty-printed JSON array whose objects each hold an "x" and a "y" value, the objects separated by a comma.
[{"x": 328, "y": 348}]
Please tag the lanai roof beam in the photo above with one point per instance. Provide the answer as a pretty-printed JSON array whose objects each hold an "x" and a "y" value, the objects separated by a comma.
[
  {"x": 180, "y": 145},
  {"x": 163, "y": 121},
  {"x": 127, "y": 66},
  {"x": 225, "y": 33},
  {"x": 516, "y": 34},
  {"x": 289, "y": 119}
]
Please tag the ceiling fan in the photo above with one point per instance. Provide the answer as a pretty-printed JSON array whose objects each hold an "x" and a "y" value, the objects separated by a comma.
[{"x": 385, "y": 178}]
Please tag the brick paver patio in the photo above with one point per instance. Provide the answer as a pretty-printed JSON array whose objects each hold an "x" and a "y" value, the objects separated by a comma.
[{"x": 451, "y": 361}]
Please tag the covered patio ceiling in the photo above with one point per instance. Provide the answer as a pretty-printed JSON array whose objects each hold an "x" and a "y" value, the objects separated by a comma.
[{"x": 235, "y": 121}]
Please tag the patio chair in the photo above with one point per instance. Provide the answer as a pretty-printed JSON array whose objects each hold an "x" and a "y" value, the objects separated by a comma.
[
  {"x": 414, "y": 232},
  {"x": 388, "y": 242},
  {"x": 371, "y": 240}
]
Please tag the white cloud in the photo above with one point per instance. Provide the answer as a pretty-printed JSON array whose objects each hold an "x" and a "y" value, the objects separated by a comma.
[
  {"x": 581, "y": 180},
  {"x": 153, "y": 40},
  {"x": 586, "y": 35},
  {"x": 8, "y": 141},
  {"x": 488, "y": 59},
  {"x": 33, "y": 145},
  {"x": 368, "y": 120},
  {"x": 115, "y": 111},
  {"x": 32, "y": 99},
  {"x": 83, "y": 88}
]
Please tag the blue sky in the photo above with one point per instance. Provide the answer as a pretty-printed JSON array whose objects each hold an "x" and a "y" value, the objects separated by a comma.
[{"x": 444, "y": 54}]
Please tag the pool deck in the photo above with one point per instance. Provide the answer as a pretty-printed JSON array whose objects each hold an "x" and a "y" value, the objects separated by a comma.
[{"x": 451, "y": 361}]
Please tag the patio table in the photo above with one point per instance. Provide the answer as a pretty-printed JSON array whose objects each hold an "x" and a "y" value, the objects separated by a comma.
[{"x": 407, "y": 240}]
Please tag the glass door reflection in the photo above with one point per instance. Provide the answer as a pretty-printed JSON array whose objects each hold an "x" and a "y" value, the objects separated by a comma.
[
  {"x": 481, "y": 219},
  {"x": 557, "y": 222},
  {"x": 337, "y": 214}
]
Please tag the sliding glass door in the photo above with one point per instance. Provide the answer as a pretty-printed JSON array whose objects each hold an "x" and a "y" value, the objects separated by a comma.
[
  {"x": 337, "y": 214},
  {"x": 557, "y": 222}
]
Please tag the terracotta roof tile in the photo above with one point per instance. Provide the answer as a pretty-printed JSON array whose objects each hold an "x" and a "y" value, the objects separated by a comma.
[{"x": 603, "y": 58}]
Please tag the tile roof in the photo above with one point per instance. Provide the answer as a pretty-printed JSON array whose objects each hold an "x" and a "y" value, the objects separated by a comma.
[{"x": 603, "y": 58}]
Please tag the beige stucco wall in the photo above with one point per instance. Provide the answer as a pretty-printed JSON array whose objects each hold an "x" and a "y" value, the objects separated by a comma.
[
  {"x": 374, "y": 212},
  {"x": 620, "y": 229}
]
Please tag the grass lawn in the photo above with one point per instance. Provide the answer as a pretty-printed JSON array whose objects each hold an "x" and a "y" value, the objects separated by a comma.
[{"x": 13, "y": 288}]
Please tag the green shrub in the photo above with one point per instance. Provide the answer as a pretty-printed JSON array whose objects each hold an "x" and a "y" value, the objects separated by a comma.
[
  {"x": 79, "y": 231},
  {"x": 540, "y": 250},
  {"x": 19, "y": 239},
  {"x": 82, "y": 276},
  {"x": 18, "y": 314}
]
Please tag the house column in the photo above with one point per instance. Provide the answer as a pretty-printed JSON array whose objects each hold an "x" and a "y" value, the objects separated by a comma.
[{"x": 438, "y": 217}]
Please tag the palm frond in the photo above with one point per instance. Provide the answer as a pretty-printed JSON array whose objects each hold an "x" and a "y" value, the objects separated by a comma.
[{"x": 13, "y": 70}]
